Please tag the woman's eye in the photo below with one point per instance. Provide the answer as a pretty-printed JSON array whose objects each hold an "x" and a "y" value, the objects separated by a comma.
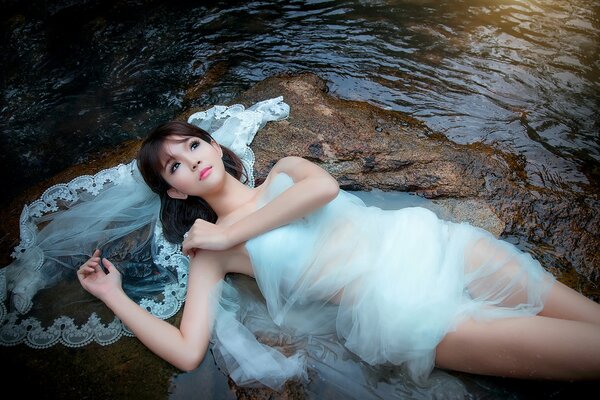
[
  {"x": 174, "y": 166},
  {"x": 194, "y": 144}
]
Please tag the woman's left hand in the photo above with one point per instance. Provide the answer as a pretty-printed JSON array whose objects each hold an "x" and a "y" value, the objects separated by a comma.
[
  {"x": 96, "y": 280},
  {"x": 206, "y": 235}
]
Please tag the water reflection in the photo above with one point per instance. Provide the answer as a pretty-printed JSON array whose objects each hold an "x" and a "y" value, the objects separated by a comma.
[{"x": 79, "y": 77}]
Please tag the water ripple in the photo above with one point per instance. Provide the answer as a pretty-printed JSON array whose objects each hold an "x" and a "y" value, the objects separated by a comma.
[{"x": 523, "y": 76}]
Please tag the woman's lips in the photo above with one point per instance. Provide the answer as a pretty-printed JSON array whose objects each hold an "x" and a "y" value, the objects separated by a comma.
[{"x": 205, "y": 172}]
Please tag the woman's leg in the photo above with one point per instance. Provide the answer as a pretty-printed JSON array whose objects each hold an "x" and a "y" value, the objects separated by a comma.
[
  {"x": 502, "y": 266},
  {"x": 566, "y": 303},
  {"x": 529, "y": 347}
]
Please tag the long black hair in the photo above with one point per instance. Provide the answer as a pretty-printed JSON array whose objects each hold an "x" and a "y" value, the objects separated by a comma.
[{"x": 176, "y": 215}]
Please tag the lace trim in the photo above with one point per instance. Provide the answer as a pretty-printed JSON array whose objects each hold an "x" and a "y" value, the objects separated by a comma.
[
  {"x": 233, "y": 126},
  {"x": 63, "y": 330}
]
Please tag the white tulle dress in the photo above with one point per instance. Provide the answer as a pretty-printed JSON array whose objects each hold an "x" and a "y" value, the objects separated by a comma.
[
  {"x": 382, "y": 286},
  {"x": 350, "y": 298}
]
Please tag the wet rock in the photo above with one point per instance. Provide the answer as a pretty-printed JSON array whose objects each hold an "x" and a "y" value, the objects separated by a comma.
[
  {"x": 365, "y": 147},
  {"x": 207, "y": 80}
]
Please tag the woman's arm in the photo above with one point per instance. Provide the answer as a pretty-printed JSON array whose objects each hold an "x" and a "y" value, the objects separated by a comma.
[
  {"x": 313, "y": 188},
  {"x": 184, "y": 347}
]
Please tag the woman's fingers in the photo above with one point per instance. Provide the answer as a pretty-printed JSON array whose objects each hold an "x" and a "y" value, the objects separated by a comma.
[
  {"x": 92, "y": 275},
  {"x": 110, "y": 267},
  {"x": 84, "y": 272},
  {"x": 91, "y": 266}
]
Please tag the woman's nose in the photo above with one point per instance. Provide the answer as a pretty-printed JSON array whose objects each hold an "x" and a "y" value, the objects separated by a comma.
[{"x": 195, "y": 164}]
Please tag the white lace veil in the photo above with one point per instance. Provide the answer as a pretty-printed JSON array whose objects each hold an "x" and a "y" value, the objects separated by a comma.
[{"x": 41, "y": 301}]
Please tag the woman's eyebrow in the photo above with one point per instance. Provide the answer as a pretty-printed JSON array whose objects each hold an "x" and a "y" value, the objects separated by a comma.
[{"x": 169, "y": 155}]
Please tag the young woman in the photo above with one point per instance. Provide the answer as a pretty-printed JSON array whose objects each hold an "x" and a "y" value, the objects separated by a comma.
[{"x": 403, "y": 287}]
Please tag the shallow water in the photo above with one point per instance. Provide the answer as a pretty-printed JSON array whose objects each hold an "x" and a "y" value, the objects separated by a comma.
[{"x": 82, "y": 76}]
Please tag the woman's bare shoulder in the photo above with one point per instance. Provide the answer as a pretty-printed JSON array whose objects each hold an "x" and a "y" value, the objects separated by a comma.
[
  {"x": 286, "y": 165},
  {"x": 297, "y": 168}
]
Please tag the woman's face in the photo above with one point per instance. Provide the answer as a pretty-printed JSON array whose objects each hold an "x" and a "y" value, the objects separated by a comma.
[{"x": 192, "y": 167}]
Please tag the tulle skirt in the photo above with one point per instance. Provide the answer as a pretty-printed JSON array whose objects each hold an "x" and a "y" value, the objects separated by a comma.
[{"x": 357, "y": 287}]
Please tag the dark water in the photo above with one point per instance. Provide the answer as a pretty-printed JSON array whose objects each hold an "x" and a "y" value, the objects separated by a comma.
[{"x": 81, "y": 76}]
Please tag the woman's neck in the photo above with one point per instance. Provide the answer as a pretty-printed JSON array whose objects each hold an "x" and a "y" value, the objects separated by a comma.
[{"x": 232, "y": 196}]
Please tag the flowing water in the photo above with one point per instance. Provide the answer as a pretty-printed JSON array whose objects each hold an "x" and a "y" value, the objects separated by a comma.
[
  {"x": 82, "y": 76},
  {"x": 79, "y": 77}
]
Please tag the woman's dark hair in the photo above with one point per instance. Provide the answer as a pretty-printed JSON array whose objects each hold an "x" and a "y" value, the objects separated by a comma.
[{"x": 177, "y": 216}]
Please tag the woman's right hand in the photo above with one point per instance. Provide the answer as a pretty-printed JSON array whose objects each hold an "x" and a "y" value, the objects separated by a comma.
[
  {"x": 93, "y": 278},
  {"x": 206, "y": 235}
]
